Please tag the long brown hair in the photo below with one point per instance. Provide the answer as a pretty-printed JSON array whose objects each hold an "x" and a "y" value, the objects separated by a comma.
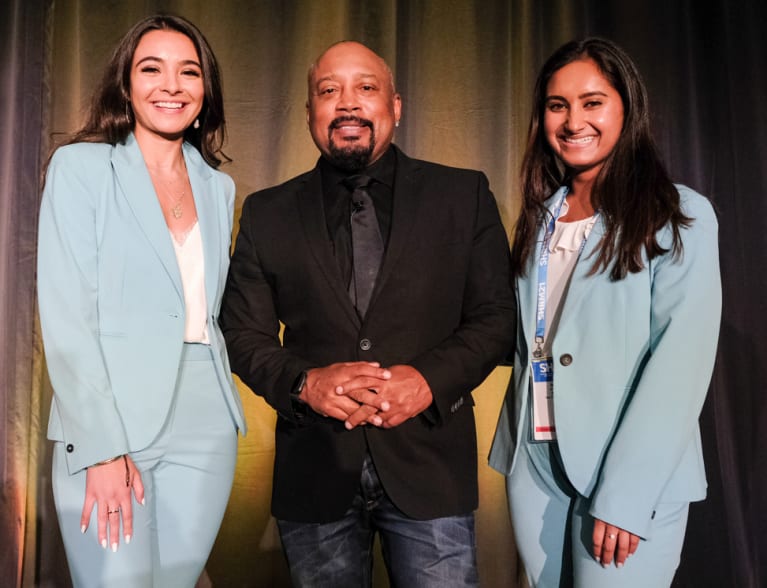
[
  {"x": 110, "y": 117},
  {"x": 632, "y": 191}
]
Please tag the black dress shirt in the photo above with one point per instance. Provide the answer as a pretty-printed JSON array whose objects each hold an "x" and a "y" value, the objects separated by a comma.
[{"x": 337, "y": 203}]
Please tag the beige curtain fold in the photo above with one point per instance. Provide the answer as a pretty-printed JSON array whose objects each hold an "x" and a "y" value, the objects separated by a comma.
[{"x": 22, "y": 100}]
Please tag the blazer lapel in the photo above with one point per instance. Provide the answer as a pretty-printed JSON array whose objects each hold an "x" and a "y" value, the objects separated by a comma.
[
  {"x": 407, "y": 199},
  {"x": 527, "y": 285},
  {"x": 211, "y": 206},
  {"x": 312, "y": 214},
  {"x": 138, "y": 190}
]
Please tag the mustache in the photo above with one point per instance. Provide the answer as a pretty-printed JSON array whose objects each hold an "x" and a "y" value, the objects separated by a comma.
[{"x": 339, "y": 121}]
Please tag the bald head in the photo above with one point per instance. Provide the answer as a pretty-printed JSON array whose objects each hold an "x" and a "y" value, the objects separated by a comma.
[
  {"x": 362, "y": 48},
  {"x": 352, "y": 107}
]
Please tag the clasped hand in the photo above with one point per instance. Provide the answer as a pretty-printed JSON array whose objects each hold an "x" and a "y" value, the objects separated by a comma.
[{"x": 359, "y": 393}]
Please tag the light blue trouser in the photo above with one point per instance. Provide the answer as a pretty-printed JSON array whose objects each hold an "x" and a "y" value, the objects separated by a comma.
[
  {"x": 187, "y": 474},
  {"x": 553, "y": 530}
]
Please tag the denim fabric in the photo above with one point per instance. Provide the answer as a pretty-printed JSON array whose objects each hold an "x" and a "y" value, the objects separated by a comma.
[{"x": 437, "y": 553}]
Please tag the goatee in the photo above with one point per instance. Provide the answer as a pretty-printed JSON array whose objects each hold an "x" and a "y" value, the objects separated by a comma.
[{"x": 352, "y": 157}]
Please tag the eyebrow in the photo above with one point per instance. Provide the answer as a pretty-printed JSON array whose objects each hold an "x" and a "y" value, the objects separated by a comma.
[
  {"x": 580, "y": 96},
  {"x": 153, "y": 58},
  {"x": 356, "y": 77}
]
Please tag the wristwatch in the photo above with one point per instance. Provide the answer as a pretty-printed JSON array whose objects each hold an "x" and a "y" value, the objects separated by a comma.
[{"x": 299, "y": 406}]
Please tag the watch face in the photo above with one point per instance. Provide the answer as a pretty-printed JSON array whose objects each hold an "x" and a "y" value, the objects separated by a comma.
[
  {"x": 300, "y": 383},
  {"x": 298, "y": 405}
]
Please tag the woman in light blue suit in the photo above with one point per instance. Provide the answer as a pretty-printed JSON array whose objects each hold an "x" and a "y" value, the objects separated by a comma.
[
  {"x": 619, "y": 299},
  {"x": 135, "y": 227}
]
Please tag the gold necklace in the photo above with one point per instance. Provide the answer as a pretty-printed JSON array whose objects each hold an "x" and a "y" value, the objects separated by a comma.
[
  {"x": 177, "y": 209},
  {"x": 176, "y": 204}
]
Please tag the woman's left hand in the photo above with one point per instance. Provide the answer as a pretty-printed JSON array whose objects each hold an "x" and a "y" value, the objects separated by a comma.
[
  {"x": 611, "y": 542},
  {"x": 108, "y": 487}
]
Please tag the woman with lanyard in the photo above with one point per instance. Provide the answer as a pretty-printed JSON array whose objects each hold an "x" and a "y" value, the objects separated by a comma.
[{"x": 619, "y": 300}]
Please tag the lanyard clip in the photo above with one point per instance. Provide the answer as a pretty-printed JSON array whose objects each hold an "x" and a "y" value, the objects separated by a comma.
[{"x": 538, "y": 352}]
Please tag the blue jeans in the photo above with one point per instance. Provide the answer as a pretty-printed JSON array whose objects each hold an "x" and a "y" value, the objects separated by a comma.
[{"x": 437, "y": 553}]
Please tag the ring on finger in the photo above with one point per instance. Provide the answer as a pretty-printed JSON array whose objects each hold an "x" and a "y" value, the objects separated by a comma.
[
  {"x": 611, "y": 536},
  {"x": 111, "y": 512}
]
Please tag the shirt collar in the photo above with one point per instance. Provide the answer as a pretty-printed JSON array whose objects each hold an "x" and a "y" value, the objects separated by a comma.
[{"x": 381, "y": 171}]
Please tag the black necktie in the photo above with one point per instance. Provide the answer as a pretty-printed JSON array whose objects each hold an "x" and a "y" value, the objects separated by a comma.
[{"x": 367, "y": 245}]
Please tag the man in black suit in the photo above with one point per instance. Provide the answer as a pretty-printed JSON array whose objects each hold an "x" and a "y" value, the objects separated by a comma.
[{"x": 376, "y": 427}]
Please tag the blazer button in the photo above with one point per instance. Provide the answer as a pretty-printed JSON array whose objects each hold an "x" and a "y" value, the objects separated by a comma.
[
  {"x": 565, "y": 359},
  {"x": 365, "y": 345},
  {"x": 70, "y": 448}
]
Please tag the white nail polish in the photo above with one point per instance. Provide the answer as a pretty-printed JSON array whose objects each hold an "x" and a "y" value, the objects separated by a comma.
[
  {"x": 127, "y": 539},
  {"x": 114, "y": 547},
  {"x": 620, "y": 565},
  {"x": 82, "y": 528},
  {"x": 103, "y": 543},
  {"x": 143, "y": 502}
]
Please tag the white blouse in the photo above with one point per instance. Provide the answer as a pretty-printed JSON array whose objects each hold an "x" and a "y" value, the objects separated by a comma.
[
  {"x": 564, "y": 249},
  {"x": 192, "y": 266}
]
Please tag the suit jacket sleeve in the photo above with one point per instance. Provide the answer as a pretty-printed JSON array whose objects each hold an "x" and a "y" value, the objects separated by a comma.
[
  {"x": 661, "y": 419},
  {"x": 68, "y": 302},
  {"x": 251, "y": 326},
  {"x": 485, "y": 334}
]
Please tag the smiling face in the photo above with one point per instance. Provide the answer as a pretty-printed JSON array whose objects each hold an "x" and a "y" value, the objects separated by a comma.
[
  {"x": 583, "y": 117},
  {"x": 166, "y": 86},
  {"x": 352, "y": 107}
]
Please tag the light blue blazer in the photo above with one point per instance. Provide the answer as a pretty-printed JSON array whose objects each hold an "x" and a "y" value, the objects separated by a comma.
[
  {"x": 632, "y": 365},
  {"x": 111, "y": 299}
]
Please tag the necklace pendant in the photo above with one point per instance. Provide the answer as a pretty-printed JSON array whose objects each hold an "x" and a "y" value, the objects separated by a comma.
[{"x": 177, "y": 211}]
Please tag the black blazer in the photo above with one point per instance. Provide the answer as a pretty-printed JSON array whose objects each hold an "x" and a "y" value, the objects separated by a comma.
[{"x": 443, "y": 303}]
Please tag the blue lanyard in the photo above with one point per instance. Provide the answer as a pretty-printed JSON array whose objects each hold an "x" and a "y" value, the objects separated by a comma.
[{"x": 543, "y": 276}]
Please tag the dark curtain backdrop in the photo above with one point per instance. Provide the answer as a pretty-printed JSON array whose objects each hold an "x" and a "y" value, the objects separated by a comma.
[
  {"x": 24, "y": 100},
  {"x": 465, "y": 70}
]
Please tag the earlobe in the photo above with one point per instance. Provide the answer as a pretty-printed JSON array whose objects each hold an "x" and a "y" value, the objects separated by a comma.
[{"x": 397, "y": 108}]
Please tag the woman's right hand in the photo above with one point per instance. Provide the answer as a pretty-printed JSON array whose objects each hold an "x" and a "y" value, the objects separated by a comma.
[{"x": 108, "y": 486}]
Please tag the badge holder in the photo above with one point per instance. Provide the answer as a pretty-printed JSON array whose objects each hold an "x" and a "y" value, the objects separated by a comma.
[{"x": 543, "y": 428}]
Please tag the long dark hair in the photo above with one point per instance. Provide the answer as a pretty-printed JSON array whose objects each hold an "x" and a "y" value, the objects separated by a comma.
[
  {"x": 110, "y": 117},
  {"x": 632, "y": 191}
]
